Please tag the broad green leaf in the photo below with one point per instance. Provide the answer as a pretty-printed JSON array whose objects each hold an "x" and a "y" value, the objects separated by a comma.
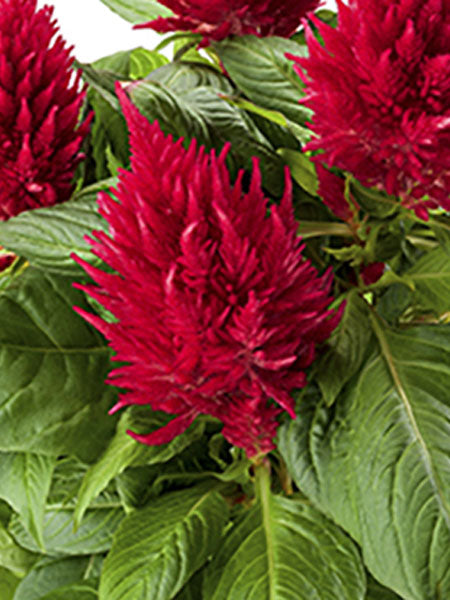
[
  {"x": 137, "y": 11},
  {"x": 53, "y": 574},
  {"x": 375, "y": 202},
  {"x": 431, "y": 277},
  {"x": 123, "y": 451},
  {"x": 77, "y": 591},
  {"x": 137, "y": 486},
  {"x": 198, "y": 112},
  {"x": 157, "y": 549},
  {"x": 5, "y": 513},
  {"x": 348, "y": 346},
  {"x": 276, "y": 128},
  {"x": 47, "y": 236},
  {"x": 131, "y": 64},
  {"x": 93, "y": 536},
  {"x": 378, "y": 462},
  {"x": 394, "y": 301},
  {"x": 8, "y": 584},
  {"x": 182, "y": 76},
  {"x": 284, "y": 549},
  {"x": 24, "y": 483},
  {"x": 201, "y": 113},
  {"x": 14, "y": 558},
  {"x": 193, "y": 589},
  {"x": 53, "y": 399},
  {"x": 302, "y": 169},
  {"x": 375, "y": 591},
  {"x": 143, "y": 62},
  {"x": 66, "y": 481},
  {"x": 440, "y": 225},
  {"x": 109, "y": 138},
  {"x": 260, "y": 69}
]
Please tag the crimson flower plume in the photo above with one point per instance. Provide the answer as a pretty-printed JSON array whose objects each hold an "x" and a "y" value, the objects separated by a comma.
[
  {"x": 380, "y": 92},
  {"x": 217, "y": 19},
  {"x": 40, "y": 102},
  {"x": 216, "y": 310}
]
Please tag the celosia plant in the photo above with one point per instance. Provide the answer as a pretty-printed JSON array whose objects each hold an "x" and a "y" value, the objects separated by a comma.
[
  {"x": 251, "y": 397},
  {"x": 217, "y": 310},
  {"x": 379, "y": 88},
  {"x": 40, "y": 101},
  {"x": 218, "y": 19}
]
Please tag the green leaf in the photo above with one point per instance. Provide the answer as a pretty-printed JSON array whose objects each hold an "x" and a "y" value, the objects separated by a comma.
[
  {"x": 8, "y": 584},
  {"x": 93, "y": 536},
  {"x": 14, "y": 558},
  {"x": 123, "y": 451},
  {"x": 131, "y": 64},
  {"x": 348, "y": 347},
  {"x": 193, "y": 589},
  {"x": 375, "y": 591},
  {"x": 431, "y": 277},
  {"x": 394, "y": 301},
  {"x": 302, "y": 169},
  {"x": 373, "y": 201},
  {"x": 109, "y": 138},
  {"x": 378, "y": 461},
  {"x": 260, "y": 69},
  {"x": 284, "y": 549},
  {"x": 137, "y": 11},
  {"x": 47, "y": 236},
  {"x": 53, "y": 399},
  {"x": 24, "y": 483},
  {"x": 275, "y": 126},
  {"x": 158, "y": 549},
  {"x": 182, "y": 76},
  {"x": 80, "y": 591},
  {"x": 440, "y": 225},
  {"x": 143, "y": 62},
  {"x": 50, "y": 575},
  {"x": 201, "y": 113}
]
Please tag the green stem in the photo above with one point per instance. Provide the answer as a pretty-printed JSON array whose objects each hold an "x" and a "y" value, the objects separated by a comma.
[
  {"x": 262, "y": 479},
  {"x": 263, "y": 493},
  {"x": 309, "y": 229}
]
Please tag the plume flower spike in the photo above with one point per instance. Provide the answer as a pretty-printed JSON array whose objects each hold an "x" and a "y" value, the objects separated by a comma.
[
  {"x": 216, "y": 310},
  {"x": 40, "y": 101},
  {"x": 218, "y": 19},
  {"x": 380, "y": 92}
]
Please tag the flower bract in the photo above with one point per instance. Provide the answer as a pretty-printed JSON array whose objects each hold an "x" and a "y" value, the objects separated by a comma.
[
  {"x": 379, "y": 87},
  {"x": 217, "y": 19},
  {"x": 40, "y": 100},
  {"x": 216, "y": 310}
]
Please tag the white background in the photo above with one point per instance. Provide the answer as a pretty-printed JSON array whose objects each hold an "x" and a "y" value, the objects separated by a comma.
[{"x": 96, "y": 31}]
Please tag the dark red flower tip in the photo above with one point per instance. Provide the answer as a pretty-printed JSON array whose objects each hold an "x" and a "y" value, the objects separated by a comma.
[
  {"x": 372, "y": 273},
  {"x": 217, "y": 19},
  {"x": 380, "y": 92},
  {"x": 216, "y": 310},
  {"x": 40, "y": 100},
  {"x": 332, "y": 191},
  {"x": 6, "y": 260}
]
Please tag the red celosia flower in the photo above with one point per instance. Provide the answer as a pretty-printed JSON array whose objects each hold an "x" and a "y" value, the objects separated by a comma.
[
  {"x": 39, "y": 107},
  {"x": 371, "y": 273},
  {"x": 380, "y": 91},
  {"x": 217, "y": 19},
  {"x": 217, "y": 311},
  {"x": 332, "y": 191}
]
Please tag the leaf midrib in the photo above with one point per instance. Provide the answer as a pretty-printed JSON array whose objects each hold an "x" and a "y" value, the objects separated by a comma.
[
  {"x": 268, "y": 533},
  {"x": 390, "y": 362}
]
